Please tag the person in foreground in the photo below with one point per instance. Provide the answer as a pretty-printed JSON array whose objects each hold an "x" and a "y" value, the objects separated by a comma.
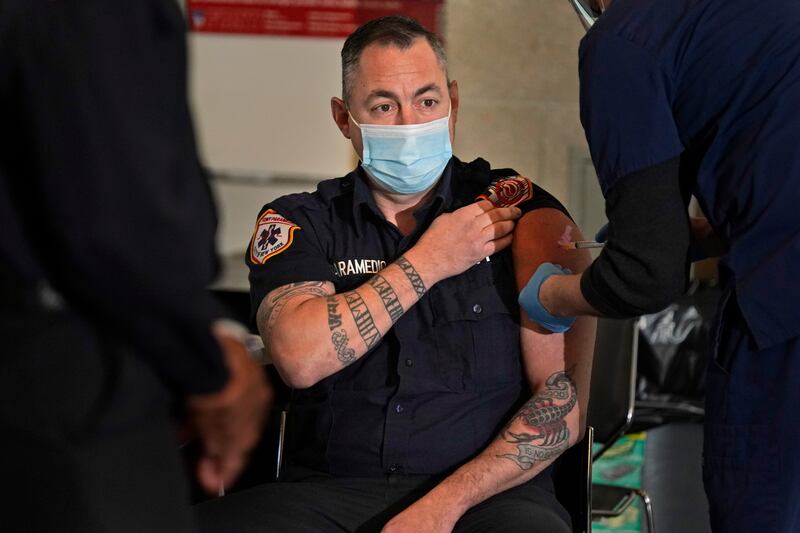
[
  {"x": 700, "y": 97},
  {"x": 106, "y": 252},
  {"x": 423, "y": 400}
]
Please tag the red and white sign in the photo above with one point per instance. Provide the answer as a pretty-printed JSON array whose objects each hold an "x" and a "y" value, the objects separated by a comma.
[{"x": 308, "y": 18}]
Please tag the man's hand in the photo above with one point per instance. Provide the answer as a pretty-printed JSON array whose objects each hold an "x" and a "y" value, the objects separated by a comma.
[
  {"x": 229, "y": 422},
  {"x": 458, "y": 240},
  {"x": 424, "y": 516}
]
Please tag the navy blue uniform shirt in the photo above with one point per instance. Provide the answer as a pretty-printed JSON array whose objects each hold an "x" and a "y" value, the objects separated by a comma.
[
  {"x": 445, "y": 378},
  {"x": 716, "y": 82}
]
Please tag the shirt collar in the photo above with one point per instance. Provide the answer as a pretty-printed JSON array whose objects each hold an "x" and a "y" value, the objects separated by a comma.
[{"x": 441, "y": 199}]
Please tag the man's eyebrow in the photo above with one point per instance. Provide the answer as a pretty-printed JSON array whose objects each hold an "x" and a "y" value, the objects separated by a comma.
[
  {"x": 431, "y": 87},
  {"x": 383, "y": 93}
]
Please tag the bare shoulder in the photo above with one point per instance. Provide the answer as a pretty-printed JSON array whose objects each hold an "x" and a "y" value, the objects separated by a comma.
[{"x": 536, "y": 239}]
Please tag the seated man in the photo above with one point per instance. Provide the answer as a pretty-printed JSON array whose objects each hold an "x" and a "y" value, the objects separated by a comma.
[{"x": 388, "y": 300}]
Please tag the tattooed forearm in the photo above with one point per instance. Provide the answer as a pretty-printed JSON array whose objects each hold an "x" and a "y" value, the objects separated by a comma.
[
  {"x": 362, "y": 316},
  {"x": 344, "y": 353},
  {"x": 389, "y": 298},
  {"x": 339, "y": 338},
  {"x": 270, "y": 310},
  {"x": 545, "y": 433},
  {"x": 412, "y": 275},
  {"x": 334, "y": 317}
]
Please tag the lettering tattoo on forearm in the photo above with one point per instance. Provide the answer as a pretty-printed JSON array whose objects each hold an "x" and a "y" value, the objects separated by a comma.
[
  {"x": 412, "y": 275},
  {"x": 334, "y": 317},
  {"x": 269, "y": 313},
  {"x": 344, "y": 353},
  {"x": 363, "y": 318},
  {"x": 389, "y": 298},
  {"x": 544, "y": 416}
]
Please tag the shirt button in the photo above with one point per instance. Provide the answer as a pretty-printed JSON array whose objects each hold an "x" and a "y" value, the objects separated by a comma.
[
  {"x": 409, "y": 362},
  {"x": 477, "y": 309},
  {"x": 399, "y": 408}
]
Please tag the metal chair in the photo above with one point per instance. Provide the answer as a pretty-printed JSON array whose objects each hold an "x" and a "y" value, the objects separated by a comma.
[{"x": 611, "y": 406}]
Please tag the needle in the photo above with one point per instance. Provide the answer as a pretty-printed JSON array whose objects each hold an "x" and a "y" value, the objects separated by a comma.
[{"x": 576, "y": 245}]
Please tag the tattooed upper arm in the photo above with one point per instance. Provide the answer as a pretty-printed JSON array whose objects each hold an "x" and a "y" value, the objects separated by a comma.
[{"x": 273, "y": 303}]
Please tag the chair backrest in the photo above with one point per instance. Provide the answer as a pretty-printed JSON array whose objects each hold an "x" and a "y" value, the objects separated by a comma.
[
  {"x": 572, "y": 478},
  {"x": 613, "y": 389}
]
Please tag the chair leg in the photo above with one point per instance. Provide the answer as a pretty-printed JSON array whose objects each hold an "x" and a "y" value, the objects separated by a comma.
[
  {"x": 648, "y": 510},
  {"x": 281, "y": 439}
]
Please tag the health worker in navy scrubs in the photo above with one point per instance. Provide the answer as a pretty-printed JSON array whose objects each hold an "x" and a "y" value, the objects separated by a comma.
[{"x": 702, "y": 97}]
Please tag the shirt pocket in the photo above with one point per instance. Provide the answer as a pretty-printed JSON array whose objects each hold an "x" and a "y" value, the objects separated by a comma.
[{"x": 476, "y": 321}]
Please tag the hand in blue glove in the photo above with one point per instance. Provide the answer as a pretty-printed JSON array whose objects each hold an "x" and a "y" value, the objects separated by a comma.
[{"x": 529, "y": 300}]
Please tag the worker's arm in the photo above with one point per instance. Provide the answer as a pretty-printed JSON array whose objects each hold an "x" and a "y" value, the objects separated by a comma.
[
  {"x": 644, "y": 265},
  {"x": 311, "y": 333},
  {"x": 558, "y": 368}
]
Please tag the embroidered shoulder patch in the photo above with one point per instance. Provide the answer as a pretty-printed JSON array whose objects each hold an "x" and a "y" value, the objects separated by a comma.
[
  {"x": 273, "y": 235},
  {"x": 507, "y": 192}
]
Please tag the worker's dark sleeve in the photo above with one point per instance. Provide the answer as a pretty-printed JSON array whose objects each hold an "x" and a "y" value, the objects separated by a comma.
[
  {"x": 117, "y": 201},
  {"x": 644, "y": 266}
]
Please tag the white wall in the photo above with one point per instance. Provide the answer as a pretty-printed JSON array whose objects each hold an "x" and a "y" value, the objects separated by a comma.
[
  {"x": 262, "y": 104},
  {"x": 261, "y": 107},
  {"x": 516, "y": 62}
]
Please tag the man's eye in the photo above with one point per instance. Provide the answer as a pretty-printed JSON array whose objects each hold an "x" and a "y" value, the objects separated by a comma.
[
  {"x": 429, "y": 102},
  {"x": 384, "y": 108}
]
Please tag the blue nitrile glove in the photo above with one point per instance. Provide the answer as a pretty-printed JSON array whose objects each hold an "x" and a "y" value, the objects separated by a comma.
[
  {"x": 529, "y": 300},
  {"x": 696, "y": 250}
]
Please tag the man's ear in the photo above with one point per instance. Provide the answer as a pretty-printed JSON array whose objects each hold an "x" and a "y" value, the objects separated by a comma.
[{"x": 341, "y": 116}]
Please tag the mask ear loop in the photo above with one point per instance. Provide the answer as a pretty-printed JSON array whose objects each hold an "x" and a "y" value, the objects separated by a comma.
[{"x": 349, "y": 114}]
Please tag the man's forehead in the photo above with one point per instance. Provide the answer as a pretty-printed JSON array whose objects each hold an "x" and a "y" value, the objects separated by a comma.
[{"x": 389, "y": 59}]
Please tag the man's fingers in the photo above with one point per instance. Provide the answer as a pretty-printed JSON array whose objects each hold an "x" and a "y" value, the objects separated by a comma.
[
  {"x": 492, "y": 247},
  {"x": 246, "y": 439},
  {"x": 229, "y": 421},
  {"x": 231, "y": 466},
  {"x": 481, "y": 206},
  {"x": 208, "y": 475},
  {"x": 214, "y": 472},
  {"x": 498, "y": 230},
  {"x": 474, "y": 209},
  {"x": 500, "y": 213}
]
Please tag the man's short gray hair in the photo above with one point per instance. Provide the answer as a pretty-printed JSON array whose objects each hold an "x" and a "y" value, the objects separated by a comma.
[{"x": 394, "y": 30}]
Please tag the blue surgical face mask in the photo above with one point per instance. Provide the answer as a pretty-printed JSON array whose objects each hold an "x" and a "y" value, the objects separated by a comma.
[{"x": 406, "y": 159}]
